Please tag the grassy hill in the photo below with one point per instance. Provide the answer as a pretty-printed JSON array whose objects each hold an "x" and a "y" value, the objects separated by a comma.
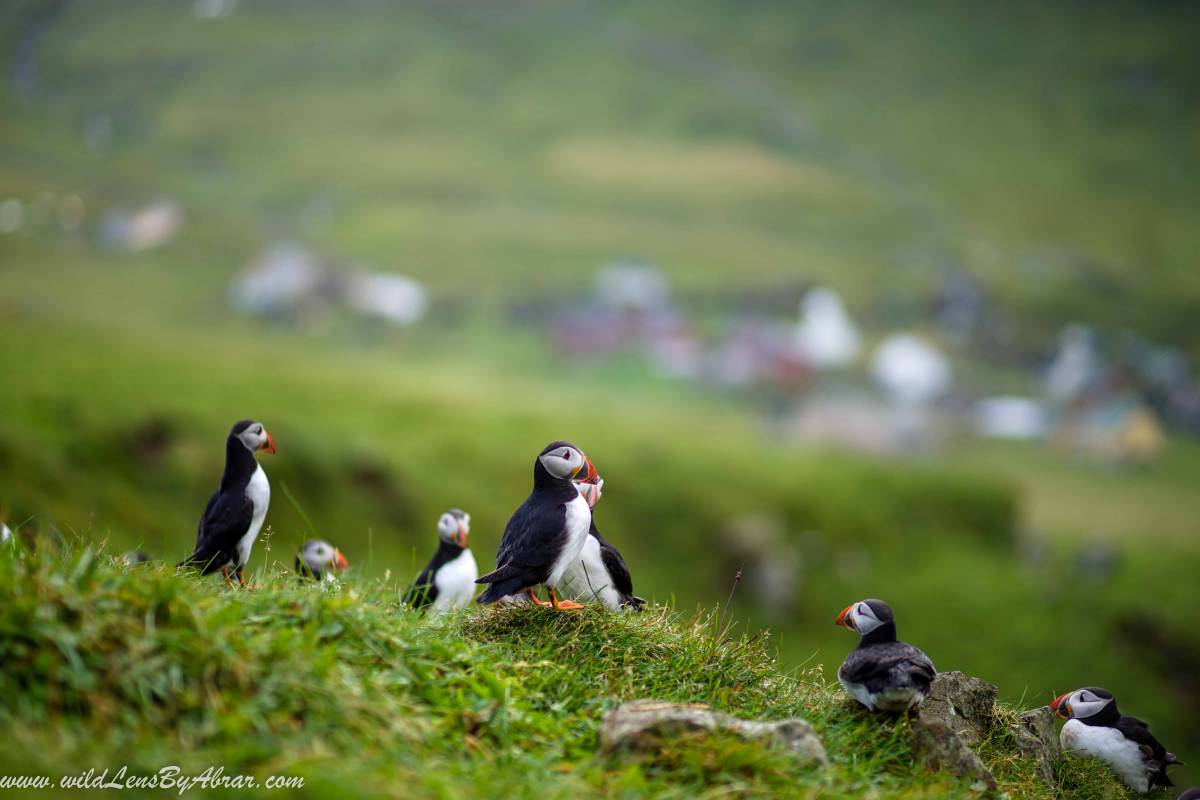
[{"x": 107, "y": 665}]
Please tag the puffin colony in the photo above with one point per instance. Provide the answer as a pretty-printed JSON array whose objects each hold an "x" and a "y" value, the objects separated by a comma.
[{"x": 551, "y": 542}]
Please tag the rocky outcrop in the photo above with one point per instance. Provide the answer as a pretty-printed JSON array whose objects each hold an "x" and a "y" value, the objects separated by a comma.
[
  {"x": 955, "y": 717},
  {"x": 961, "y": 703},
  {"x": 1037, "y": 739},
  {"x": 942, "y": 749},
  {"x": 640, "y": 725}
]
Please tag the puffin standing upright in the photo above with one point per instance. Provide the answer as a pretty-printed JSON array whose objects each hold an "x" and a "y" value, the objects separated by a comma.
[
  {"x": 235, "y": 513},
  {"x": 448, "y": 582},
  {"x": 600, "y": 572},
  {"x": 547, "y": 532},
  {"x": 319, "y": 560},
  {"x": 1097, "y": 729},
  {"x": 882, "y": 673}
]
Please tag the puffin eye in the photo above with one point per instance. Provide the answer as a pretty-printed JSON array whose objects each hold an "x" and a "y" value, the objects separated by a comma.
[{"x": 567, "y": 454}]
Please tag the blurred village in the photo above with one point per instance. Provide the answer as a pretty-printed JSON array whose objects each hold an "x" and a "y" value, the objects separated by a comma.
[{"x": 822, "y": 374}]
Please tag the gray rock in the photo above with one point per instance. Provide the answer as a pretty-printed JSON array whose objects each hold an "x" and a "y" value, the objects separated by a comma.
[
  {"x": 940, "y": 748},
  {"x": 640, "y": 724},
  {"x": 961, "y": 703},
  {"x": 1037, "y": 739}
]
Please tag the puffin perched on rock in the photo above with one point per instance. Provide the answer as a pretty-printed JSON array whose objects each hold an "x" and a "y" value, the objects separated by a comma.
[
  {"x": 546, "y": 534},
  {"x": 319, "y": 560},
  {"x": 1097, "y": 729},
  {"x": 600, "y": 572},
  {"x": 448, "y": 582},
  {"x": 235, "y": 513},
  {"x": 882, "y": 673}
]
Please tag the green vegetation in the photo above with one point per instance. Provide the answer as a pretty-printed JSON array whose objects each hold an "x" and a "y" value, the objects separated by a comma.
[{"x": 109, "y": 665}]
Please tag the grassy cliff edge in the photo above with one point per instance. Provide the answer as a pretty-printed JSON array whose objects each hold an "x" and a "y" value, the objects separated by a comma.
[{"x": 107, "y": 665}]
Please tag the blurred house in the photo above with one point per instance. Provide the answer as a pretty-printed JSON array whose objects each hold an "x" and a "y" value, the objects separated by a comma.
[
  {"x": 864, "y": 423},
  {"x": 758, "y": 351},
  {"x": 1075, "y": 365},
  {"x": 393, "y": 298},
  {"x": 289, "y": 281},
  {"x": 630, "y": 308},
  {"x": 1120, "y": 430},
  {"x": 12, "y": 215},
  {"x": 959, "y": 304},
  {"x": 911, "y": 370},
  {"x": 282, "y": 281},
  {"x": 151, "y": 226},
  {"x": 213, "y": 9},
  {"x": 825, "y": 335},
  {"x": 1011, "y": 417}
]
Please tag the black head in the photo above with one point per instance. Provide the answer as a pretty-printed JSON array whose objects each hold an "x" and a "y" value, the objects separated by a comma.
[
  {"x": 1091, "y": 704},
  {"x": 871, "y": 619},
  {"x": 562, "y": 462}
]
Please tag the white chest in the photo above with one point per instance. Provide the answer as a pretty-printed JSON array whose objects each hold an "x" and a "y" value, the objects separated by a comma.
[
  {"x": 578, "y": 523},
  {"x": 1111, "y": 747},
  {"x": 455, "y": 583},
  {"x": 587, "y": 579},
  {"x": 258, "y": 492}
]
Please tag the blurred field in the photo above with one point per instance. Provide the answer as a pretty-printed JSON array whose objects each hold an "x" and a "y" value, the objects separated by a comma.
[{"x": 500, "y": 153}]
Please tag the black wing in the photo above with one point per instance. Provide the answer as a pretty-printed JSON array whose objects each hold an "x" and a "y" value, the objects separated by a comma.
[
  {"x": 424, "y": 589},
  {"x": 225, "y": 520},
  {"x": 622, "y": 580},
  {"x": 878, "y": 666},
  {"x": 532, "y": 540},
  {"x": 1156, "y": 757}
]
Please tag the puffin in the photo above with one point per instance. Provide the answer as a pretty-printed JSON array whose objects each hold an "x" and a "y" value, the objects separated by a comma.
[
  {"x": 319, "y": 560},
  {"x": 1190, "y": 794},
  {"x": 547, "y": 532},
  {"x": 882, "y": 673},
  {"x": 235, "y": 513},
  {"x": 1097, "y": 729},
  {"x": 448, "y": 582},
  {"x": 600, "y": 572}
]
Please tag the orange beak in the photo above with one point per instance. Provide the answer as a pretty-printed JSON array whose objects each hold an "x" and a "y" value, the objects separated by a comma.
[
  {"x": 844, "y": 619},
  {"x": 587, "y": 473},
  {"x": 462, "y": 536},
  {"x": 270, "y": 445},
  {"x": 1059, "y": 706},
  {"x": 339, "y": 561}
]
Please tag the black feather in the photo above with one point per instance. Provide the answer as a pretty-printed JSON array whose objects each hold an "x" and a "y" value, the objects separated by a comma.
[{"x": 424, "y": 589}]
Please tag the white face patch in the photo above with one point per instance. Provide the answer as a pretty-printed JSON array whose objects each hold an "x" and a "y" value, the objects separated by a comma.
[
  {"x": 1085, "y": 703},
  {"x": 448, "y": 526},
  {"x": 864, "y": 618},
  {"x": 254, "y": 437},
  {"x": 563, "y": 462}
]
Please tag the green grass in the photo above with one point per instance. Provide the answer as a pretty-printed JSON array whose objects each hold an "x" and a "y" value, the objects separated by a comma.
[{"x": 107, "y": 665}]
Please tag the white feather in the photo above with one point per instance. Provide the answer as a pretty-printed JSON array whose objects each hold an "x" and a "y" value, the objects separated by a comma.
[
  {"x": 578, "y": 523},
  {"x": 258, "y": 490},
  {"x": 1110, "y": 746},
  {"x": 587, "y": 578},
  {"x": 455, "y": 583}
]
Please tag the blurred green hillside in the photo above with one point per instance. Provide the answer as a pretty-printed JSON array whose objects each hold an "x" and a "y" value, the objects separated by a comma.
[{"x": 500, "y": 153}]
